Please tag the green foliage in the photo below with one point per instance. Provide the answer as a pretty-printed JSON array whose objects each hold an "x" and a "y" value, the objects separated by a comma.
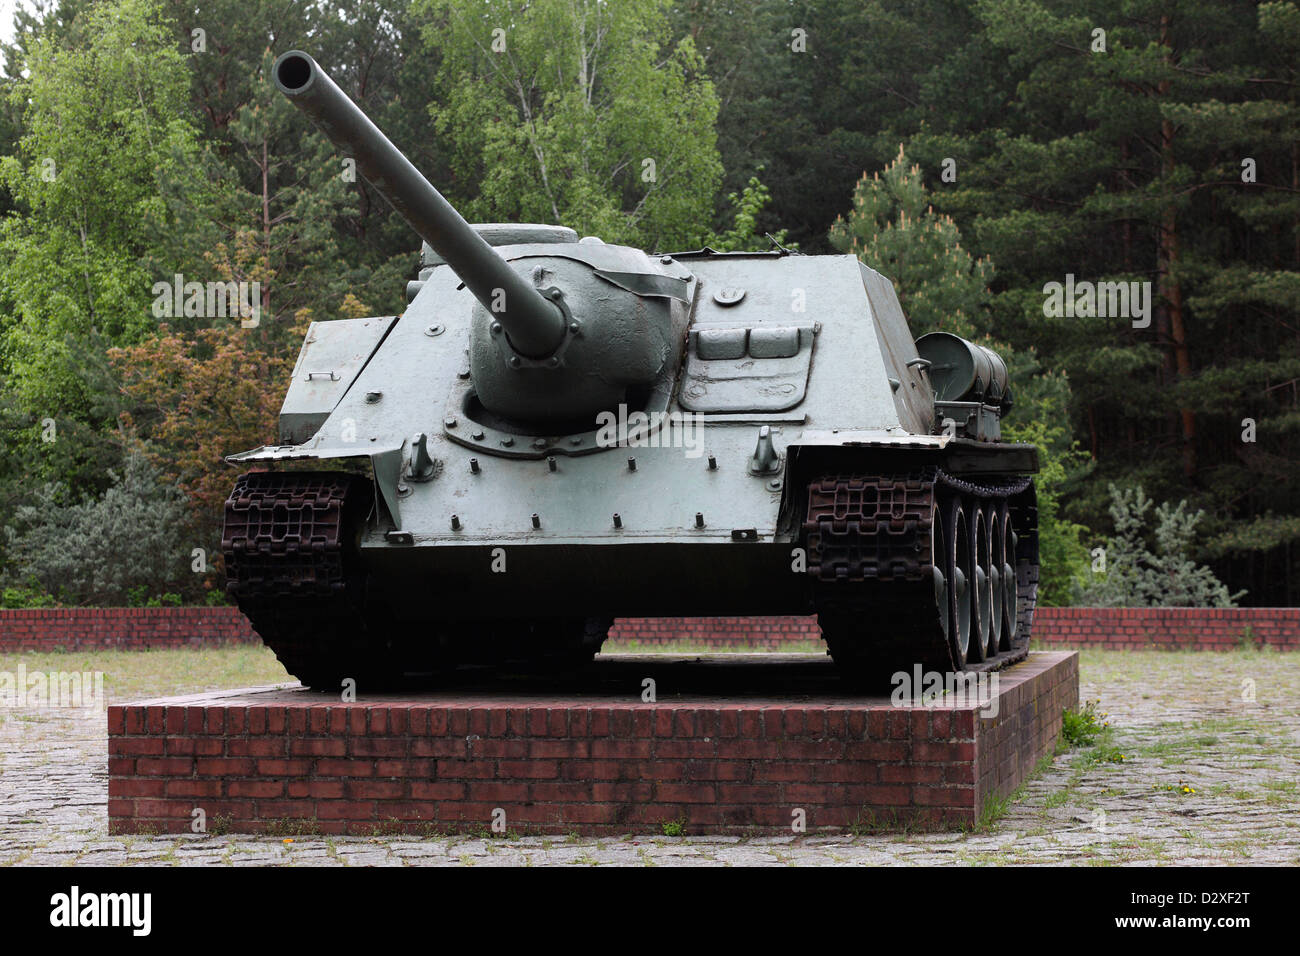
[
  {"x": 1107, "y": 165},
  {"x": 745, "y": 234},
  {"x": 26, "y": 597},
  {"x": 674, "y": 828},
  {"x": 1083, "y": 726},
  {"x": 894, "y": 229},
  {"x": 107, "y": 142},
  {"x": 1146, "y": 179},
  {"x": 117, "y": 549},
  {"x": 1135, "y": 575},
  {"x": 577, "y": 112},
  {"x": 1062, "y": 555},
  {"x": 140, "y": 596}
]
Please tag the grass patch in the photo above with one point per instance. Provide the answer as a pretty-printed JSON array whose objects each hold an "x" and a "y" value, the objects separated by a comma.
[
  {"x": 995, "y": 808},
  {"x": 291, "y": 827},
  {"x": 133, "y": 675},
  {"x": 1104, "y": 752},
  {"x": 868, "y": 822},
  {"x": 872, "y": 823}
]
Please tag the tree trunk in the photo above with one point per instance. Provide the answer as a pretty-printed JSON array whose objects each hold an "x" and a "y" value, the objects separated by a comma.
[
  {"x": 1170, "y": 287},
  {"x": 266, "y": 230}
]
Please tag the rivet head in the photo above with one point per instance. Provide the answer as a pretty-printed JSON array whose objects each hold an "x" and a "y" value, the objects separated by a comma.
[
  {"x": 553, "y": 362},
  {"x": 514, "y": 361},
  {"x": 507, "y": 442},
  {"x": 449, "y": 422},
  {"x": 539, "y": 442},
  {"x": 495, "y": 328},
  {"x": 478, "y": 434}
]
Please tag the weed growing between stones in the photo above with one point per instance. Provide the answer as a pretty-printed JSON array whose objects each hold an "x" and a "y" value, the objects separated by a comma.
[
  {"x": 1082, "y": 727},
  {"x": 674, "y": 828}
]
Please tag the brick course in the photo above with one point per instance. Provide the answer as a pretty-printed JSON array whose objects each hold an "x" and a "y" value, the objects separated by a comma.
[
  {"x": 764, "y": 633},
  {"x": 1125, "y": 628},
  {"x": 557, "y": 762},
  {"x": 1114, "y": 628},
  {"x": 127, "y": 628},
  {"x": 1169, "y": 628}
]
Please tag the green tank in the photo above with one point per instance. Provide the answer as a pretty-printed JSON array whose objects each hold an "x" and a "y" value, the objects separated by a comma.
[{"x": 559, "y": 431}]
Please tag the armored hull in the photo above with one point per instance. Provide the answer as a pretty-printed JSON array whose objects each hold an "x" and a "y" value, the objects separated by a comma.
[{"x": 516, "y": 460}]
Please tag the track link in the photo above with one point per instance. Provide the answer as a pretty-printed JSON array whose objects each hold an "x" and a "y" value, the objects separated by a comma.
[
  {"x": 870, "y": 542},
  {"x": 291, "y": 568}
]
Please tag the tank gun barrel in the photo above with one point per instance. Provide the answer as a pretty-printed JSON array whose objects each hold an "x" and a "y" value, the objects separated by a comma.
[{"x": 534, "y": 325}]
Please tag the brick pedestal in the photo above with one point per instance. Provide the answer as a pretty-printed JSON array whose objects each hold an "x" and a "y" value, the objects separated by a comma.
[{"x": 594, "y": 758}]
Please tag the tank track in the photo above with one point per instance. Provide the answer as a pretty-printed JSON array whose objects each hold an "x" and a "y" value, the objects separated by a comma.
[
  {"x": 289, "y": 543},
  {"x": 291, "y": 574},
  {"x": 292, "y": 567},
  {"x": 1022, "y": 507},
  {"x": 868, "y": 539}
]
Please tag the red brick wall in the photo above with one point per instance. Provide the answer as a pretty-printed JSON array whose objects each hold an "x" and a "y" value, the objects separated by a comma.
[
  {"x": 1119, "y": 628},
  {"x": 1169, "y": 628},
  {"x": 135, "y": 628},
  {"x": 556, "y": 762},
  {"x": 1116, "y": 628},
  {"x": 1027, "y": 724},
  {"x": 769, "y": 633}
]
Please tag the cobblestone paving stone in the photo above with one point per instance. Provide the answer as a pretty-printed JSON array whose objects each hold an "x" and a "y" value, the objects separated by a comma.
[{"x": 1210, "y": 774}]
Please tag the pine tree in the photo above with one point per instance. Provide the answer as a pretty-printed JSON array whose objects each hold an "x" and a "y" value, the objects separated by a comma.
[
  {"x": 1152, "y": 142},
  {"x": 894, "y": 229},
  {"x": 1129, "y": 573}
]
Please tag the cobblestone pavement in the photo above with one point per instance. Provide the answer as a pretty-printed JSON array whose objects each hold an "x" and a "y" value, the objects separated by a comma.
[{"x": 1200, "y": 764}]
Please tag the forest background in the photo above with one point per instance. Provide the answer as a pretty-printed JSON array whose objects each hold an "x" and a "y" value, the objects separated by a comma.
[{"x": 973, "y": 152}]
